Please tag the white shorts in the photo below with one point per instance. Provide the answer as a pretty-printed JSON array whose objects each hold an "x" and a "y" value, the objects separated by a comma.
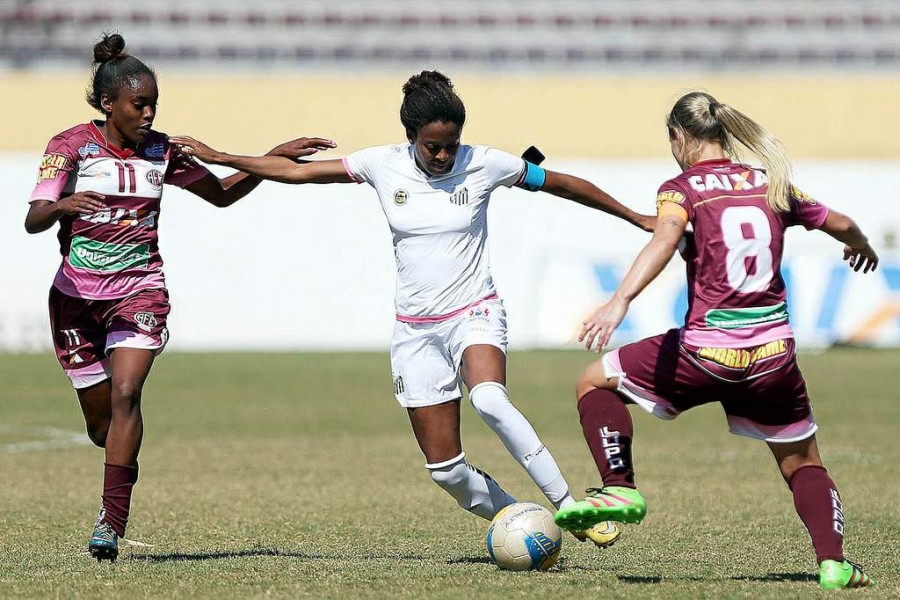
[{"x": 425, "y": 357}]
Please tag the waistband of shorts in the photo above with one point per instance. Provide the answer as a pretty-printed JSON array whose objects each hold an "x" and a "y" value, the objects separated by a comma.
[{"x": 444, "y": 317}]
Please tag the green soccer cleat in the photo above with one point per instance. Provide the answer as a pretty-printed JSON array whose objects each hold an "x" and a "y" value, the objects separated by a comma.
[
  {"x": 603, "y": 534},
  {"x": 625, "y": 505},
  {"x": 104, "y": 544},
  {"x": 834, "y": 575}
]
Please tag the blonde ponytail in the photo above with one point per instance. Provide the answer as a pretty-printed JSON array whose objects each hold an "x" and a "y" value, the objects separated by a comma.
[
  {"x": 738, "y": 127},
  {"x": 702, "y": 117}
]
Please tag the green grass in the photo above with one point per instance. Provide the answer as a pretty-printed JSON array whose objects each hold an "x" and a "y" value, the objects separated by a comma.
[{"x": 293, "y": 475}]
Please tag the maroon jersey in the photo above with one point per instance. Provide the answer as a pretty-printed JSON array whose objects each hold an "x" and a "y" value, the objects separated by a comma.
[
  {"x": 736, "y": 295},
  {"x": 112, "y": 253}
]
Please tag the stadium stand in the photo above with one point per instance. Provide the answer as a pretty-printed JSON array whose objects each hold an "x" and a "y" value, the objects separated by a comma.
[{"x": 483, "y": 33}]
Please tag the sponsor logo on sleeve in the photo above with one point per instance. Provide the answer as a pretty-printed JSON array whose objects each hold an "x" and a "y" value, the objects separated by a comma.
[
  {"x": 400, "y": 197},
  {"x": 669, "y": 196},
  {"x": 50, "y": 166},
  {"x": 88, "y": 150},
  {"x": 157, "y": 150}
]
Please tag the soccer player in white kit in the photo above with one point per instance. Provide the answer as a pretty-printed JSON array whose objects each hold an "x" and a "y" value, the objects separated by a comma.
[{"x": 451, "y": 324}]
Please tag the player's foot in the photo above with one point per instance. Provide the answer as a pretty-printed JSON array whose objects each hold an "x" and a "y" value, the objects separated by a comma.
[
  {"x": 625, "y": 505},
  {"x": 104, "y": 543},
  {"x": 603, "y": 534},
  {"x": 834, "y": 575}
]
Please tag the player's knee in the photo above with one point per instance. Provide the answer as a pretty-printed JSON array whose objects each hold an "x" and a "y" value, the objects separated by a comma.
[
  {"x": 97, "y": 433},
  {"x": 489, "y": 399},
  {"x": 126, "y": 394},
  {"x": 589, "y": 381}
]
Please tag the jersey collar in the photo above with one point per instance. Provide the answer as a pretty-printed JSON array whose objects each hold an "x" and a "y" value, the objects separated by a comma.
[{"x": 122, "y": 153}]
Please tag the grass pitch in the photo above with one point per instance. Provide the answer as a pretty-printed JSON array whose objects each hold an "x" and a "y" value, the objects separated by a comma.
[{"x": 292, "y": 475}]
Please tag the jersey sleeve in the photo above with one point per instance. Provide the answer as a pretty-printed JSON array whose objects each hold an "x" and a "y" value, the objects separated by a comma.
[
  {"x": 805, "y": 210},
  {"x": 671, "y": 199},
  {"x": 503, "y": 168},
  {"x": 363, "y": 165},
  {"x": 57, "y": 165},
  {"x": 183, "y": 170}
]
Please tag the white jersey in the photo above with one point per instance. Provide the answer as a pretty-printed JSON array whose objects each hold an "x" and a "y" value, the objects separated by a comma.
[{"x": 439, "y": 223}]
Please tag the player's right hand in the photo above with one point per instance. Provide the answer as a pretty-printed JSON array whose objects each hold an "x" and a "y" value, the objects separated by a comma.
[
  {"x": 191, "y": 147},
  {"x": 301, "y": 147},
  {"x": 81, "y": 203},
  {"x": 861, "y": 258}
]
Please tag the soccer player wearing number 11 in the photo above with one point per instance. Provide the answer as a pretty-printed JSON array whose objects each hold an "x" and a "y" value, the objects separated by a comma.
[{"x": 737, "y": 346}]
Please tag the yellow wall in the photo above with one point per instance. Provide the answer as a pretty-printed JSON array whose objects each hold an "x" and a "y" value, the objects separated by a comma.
[{"x": 821, "y": 116}]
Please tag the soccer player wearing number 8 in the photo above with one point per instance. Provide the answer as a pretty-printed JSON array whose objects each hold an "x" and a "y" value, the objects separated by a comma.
[
  {"x": 102, "y": 182},
  {"x": 736, "y": 347},
  {"x": 451, "y": 326}
]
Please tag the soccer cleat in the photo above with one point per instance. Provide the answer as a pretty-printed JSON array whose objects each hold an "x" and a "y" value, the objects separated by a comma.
[
  {"x": 603, "y": 534},
  {"x": 835, "y": 575},
  {"x": 625, "y": 505},
  {"x": 104, "y": 543}
]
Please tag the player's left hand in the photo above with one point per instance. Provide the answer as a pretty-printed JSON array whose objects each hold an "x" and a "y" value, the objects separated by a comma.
[
  {"x": 188, "y": 145},
  {"x": 603, "y": 323},
  {"x": 301, "y": 147},
  {"x": 861, "y": 258}
]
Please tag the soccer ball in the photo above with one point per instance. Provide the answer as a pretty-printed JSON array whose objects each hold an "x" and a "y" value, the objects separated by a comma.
[{"x": 523, "y": 537}]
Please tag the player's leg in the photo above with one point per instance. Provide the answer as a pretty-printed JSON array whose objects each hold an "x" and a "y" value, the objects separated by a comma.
[
  {"x": 774, "y": 406},
  {"x": 136, "y": 335},
  {"x": 479, "y": 340},
  {"x": 651, "y": 373},
  {"x": 436, "y": 428},
  {"x": 819, "y": 506},
  {"x": 97, "y": 410},
  {"x": 484, "y": 371},
  {"x": 130, "y": 367},
  {"x": 427, "y": 385}
]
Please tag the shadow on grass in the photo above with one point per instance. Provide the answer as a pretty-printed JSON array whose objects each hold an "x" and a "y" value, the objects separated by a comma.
[
  {"x": 778, "y": 577},
  {"x": 255, "y": 552},
  {"x": 468, "y": 560},
  {"x": 771, "y": 577}
]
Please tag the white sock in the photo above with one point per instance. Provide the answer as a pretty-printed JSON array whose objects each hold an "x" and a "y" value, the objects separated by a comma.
[
  {"x": 473, "y": 489},
  {"x": 492, "y": 404}
]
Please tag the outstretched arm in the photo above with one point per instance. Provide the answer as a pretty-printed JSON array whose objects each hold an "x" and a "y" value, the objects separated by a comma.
[
  {"x": 857, "y": 250},
  {"x": 586, "y": 193},
  {"x": 277, "y": 168},
  {"x": 646, "y": 267}
]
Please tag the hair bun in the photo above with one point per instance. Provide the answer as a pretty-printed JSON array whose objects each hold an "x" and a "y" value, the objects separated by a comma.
[
  {"x": 426, "y": 80},
  {"x": 110, "y": 46}
]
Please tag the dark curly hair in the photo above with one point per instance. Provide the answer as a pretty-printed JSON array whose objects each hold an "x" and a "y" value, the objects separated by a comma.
[
  {"x": 113, "y": 68},
  {"x": 427, "y": 98}
]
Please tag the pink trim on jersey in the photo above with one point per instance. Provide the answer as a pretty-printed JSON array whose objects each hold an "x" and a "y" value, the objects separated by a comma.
[
  {"x": 792, "y": 432},
  {"x": 444, "y": 317},
  {"x": 349, "y": 172},
  {"x": 736, "y": 338},
  {"x": 80, "y": 283}
]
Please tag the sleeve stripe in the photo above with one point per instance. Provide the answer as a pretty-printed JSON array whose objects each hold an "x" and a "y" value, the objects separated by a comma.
[
  {"x": 670, "y": 208},
  {"x": 350, "y": 171}
]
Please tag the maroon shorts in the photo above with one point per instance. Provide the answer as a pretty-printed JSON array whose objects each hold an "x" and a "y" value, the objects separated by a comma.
[
  {"x": 760, "y": 388},
  {"x": 84, "y": 331}
]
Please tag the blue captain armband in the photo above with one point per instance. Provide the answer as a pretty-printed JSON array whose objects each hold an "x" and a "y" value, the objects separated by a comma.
[{"x": 533, "y": 179}]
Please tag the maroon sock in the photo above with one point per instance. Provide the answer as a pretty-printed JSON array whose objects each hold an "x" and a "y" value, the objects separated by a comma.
[
  {"x": 118, "y": 481},
  {"x": 819, "y": 506},
  {"x": 608, "y": 430}
]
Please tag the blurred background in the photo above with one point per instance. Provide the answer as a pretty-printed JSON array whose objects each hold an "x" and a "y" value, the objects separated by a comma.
[{"x": 588, "y": 82}]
